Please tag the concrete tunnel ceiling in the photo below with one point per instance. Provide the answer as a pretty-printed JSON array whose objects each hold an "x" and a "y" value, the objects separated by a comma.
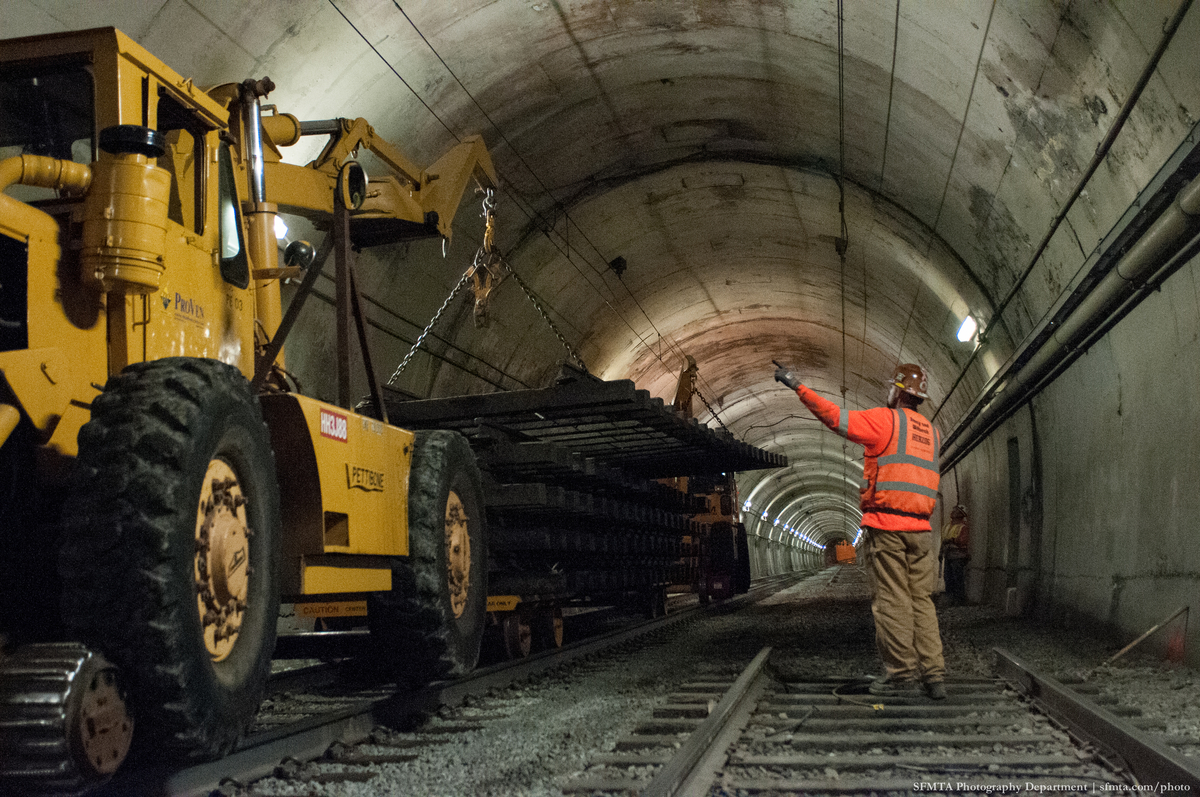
[{"x": 700, "y": 141}]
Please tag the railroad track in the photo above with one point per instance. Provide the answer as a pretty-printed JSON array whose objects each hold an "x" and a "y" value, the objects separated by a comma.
[
  {"x": 1019, "y": 732},
  {"x": 317, "y": 726}
]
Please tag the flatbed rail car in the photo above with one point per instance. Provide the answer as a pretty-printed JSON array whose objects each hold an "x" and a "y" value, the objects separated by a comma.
[{"x": 574, "y": 486}]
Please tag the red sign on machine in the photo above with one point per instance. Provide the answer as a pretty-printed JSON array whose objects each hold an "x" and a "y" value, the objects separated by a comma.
[{"x": 334, "y": 425}]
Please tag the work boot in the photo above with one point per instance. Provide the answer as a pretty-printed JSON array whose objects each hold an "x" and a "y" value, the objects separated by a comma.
[
  {"x": 888, "y": 687},
  {"x": 936, "y": 690}
]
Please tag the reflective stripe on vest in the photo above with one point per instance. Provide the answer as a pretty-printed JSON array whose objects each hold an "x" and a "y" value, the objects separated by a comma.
[{"x": 907, "y": 481}]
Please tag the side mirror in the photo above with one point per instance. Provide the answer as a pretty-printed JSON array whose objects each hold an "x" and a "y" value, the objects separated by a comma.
[
  {"x": 299, "y": 254},
  {"x": 352, "y": 185}
]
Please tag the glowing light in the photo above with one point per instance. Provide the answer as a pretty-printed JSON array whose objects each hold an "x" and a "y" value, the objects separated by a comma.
[
  {"x": 281, "y": 228},
  {"x": 967, "y": 330}
]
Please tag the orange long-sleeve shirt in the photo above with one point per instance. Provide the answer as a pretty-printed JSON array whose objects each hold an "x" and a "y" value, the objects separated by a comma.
[{"x": 872, "y": 429}]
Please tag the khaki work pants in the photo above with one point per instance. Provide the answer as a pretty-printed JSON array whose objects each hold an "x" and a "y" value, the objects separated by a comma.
[{"x": 902, "y": 568}]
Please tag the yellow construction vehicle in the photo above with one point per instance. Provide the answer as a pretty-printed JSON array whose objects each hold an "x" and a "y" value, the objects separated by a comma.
[{"x": 161, "y": 490}]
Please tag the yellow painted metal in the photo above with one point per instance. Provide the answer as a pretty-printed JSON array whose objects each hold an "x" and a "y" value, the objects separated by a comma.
[
  {"x": 409, "y": 194},
  {"x": 125, "y": 223},
  {"x": 449, "y": 177},
  {"x": 190, "y": 311},
  {"x": 264, "y": 254},
  {"x": 64, "y": 353},
  {"x": 64, "y": 439},
  {"x": 363, "y": 467},
  {"x": 10, "y": 416},
  {"x": 196, "y": 312},
  {"x": 280, "y": 130},
  {"x": 21, "y": 221},
  {"x": 42, "y": 381},
  {"x": 320, "y": 609},
  {"x": 153, "y": 278},
  {"x": 322, "y": 579}
]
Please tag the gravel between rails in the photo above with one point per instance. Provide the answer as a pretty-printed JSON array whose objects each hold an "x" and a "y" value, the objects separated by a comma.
[{"x": 541, "y": 732}]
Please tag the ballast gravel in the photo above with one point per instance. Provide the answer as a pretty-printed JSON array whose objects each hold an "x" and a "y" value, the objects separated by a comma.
[{"x": 537, "y": 735}]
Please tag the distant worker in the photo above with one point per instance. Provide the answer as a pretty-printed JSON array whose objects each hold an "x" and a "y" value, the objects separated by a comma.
[
  {"x": 901, "y": 471},
  {"x": 955, "y": 555}
]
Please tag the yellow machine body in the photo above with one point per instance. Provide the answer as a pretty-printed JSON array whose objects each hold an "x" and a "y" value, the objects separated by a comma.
[
  {"x": 133, "y": 258},
  {"x": 345, "y": 495}
]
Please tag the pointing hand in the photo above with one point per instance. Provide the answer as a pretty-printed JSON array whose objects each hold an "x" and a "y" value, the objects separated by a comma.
[{"x": 785, "y": 376}]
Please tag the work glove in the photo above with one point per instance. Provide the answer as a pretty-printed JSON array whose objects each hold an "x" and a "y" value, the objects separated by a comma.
[{"x": 786, "y": 377}]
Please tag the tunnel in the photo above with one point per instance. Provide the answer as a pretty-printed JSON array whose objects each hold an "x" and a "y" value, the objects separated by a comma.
[{"x": 1001, "y": 191}]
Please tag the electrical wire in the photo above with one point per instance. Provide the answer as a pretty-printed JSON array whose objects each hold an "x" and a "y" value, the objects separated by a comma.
[
  {"x": 327, "y": 299},
  {"x": 394, "y": 72},
  {"x": 566, "y": 215},
  {"x": 966, "y": 112},
  {"x": 781, "y": 420},
  {"x": 532, "y": 214},
  {"x": 843, "y": 242},
  {"x": 887, "y": 124}
]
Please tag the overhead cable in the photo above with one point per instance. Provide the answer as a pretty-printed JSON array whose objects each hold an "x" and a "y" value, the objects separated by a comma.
[{"x": 566, "y": 215}]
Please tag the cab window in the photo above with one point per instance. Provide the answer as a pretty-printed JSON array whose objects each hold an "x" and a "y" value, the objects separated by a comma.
[
  {"x": 235, "y": 268},
  {"x": 46, "y": 109},
  {"x": 184, "y": 159}
]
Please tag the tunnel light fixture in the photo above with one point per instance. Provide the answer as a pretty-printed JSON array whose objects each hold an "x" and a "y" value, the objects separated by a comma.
[
  {"x": 967, "y": 330},
  {"x": 746, "y": 506},
  {"x": 764, "y": 514},
  {"x": 281, "y": 228}
]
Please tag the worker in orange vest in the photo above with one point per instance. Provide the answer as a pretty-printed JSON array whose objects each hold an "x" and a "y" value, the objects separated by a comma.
[
  {"x": 900, "y": 468},
  {"x": 955, "y": 554}
]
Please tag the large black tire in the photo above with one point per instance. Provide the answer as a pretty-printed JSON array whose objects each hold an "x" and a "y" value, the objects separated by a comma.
[
  {"x": 430, "y": 626},
  {"x": 170, "y": 556}
]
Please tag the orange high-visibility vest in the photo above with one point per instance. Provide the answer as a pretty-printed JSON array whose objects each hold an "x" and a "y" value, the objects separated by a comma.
[{"x": 904, "y": 479}]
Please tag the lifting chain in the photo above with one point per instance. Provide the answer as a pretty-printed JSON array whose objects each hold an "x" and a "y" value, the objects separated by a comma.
[
  {"x": 421, "y": 338},
  {"x": 486, "y": 273},
  {"x": 546, "y": 317},
  {"x": 711, "y": 411}
]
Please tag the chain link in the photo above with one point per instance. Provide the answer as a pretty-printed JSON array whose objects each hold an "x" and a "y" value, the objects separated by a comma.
[
  {"x": 529, "y": 295},
  {"x": 486, "y": 257},
  {"x": 421, "y": 339},
  {"x": 711, "y": 411}
]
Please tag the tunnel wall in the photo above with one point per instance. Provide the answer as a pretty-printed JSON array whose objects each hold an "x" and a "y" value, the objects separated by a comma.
[
  {"x": 771, "y": 558},
  {"x": 1107, "y": 509}
]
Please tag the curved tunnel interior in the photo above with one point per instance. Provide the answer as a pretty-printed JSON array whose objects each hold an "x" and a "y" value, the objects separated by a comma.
[{"x": 676, "y": 176}]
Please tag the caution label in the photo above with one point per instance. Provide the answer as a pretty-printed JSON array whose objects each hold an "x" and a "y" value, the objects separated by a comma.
[
  {"x": 502, "y": 603},
  {"x": 332, "y": 609}
]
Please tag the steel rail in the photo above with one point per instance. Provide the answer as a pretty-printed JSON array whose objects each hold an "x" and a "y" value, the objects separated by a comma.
[
  {"x": 704, "y": 742},
  {"x": 1149, "y": 760},
  {"x": 259, "y": 755}
]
